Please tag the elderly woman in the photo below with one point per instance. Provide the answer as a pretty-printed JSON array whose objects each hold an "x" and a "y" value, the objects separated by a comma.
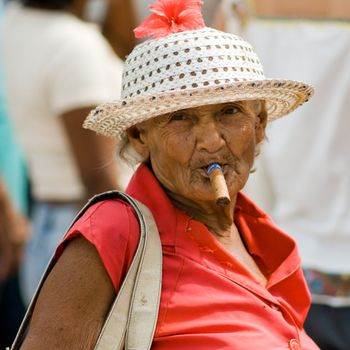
[{"x": 192, "y": 97}]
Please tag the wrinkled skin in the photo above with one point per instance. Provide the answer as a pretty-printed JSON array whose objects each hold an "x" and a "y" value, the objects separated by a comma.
[{"x": 181, "y": 145}]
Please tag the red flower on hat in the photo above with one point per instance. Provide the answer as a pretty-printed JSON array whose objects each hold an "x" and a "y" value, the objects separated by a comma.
[{"x": 171, "y": 16}]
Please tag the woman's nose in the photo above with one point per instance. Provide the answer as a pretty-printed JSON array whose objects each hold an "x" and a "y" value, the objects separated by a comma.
[{"x": 209, "y": 136}]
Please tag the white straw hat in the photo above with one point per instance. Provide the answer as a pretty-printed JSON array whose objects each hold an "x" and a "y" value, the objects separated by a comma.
[{"x": 190, "y": 69}]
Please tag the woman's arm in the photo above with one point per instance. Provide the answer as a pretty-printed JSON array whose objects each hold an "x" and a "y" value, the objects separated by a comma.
[{"x": 73, "y": 302}]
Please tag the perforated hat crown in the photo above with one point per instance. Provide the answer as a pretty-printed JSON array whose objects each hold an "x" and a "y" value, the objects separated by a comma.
[
  {"x": 191, "y": 59},
  {"x": 191, "y": 69}
]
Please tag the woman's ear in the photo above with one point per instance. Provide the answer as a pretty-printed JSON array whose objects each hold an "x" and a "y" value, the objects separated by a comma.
[
  {"x": 137, "y": 139},
  {"x": 260, "y": 124}
]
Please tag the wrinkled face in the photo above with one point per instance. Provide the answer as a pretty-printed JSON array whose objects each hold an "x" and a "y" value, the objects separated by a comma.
[{"x": 181, "y": 145}]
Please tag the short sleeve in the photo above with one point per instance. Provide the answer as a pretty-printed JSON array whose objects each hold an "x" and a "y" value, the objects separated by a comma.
[
  {"x": 112, "y": 228},
  {"x": 84, "y": 72}
]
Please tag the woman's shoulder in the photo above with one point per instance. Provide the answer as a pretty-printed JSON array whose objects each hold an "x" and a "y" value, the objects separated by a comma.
[
  {"x": 111, "y": 226},
  {"x": 111, "y": 219},
  {"x": 108, "y": 212}
]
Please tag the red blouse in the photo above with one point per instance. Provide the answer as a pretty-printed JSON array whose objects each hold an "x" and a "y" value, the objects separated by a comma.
[{"x": 209, "y": 300}]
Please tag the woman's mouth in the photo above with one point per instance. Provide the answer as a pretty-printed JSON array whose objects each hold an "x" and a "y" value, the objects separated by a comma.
[{"x": 204, "y": 169}]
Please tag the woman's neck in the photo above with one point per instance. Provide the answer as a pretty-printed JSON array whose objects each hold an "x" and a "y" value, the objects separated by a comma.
[{"x": 218, "y": 219}]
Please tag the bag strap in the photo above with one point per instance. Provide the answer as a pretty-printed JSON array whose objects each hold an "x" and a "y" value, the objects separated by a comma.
[
  {"x": 131, "y": 322},
  {"x": 136, "y": 281},
  {"x": 143, "y": 314}
]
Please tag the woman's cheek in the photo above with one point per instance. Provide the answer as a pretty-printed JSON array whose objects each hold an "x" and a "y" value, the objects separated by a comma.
[
  {"x": 180, "y": 148},
  {"x": 242, "y": 140}
]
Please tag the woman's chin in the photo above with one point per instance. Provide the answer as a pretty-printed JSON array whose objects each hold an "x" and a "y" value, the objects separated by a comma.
[{"x": 202, "y": 195}]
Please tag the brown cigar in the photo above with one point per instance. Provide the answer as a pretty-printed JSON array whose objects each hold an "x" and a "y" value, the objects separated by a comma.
[{"x": 218, "y": 184}]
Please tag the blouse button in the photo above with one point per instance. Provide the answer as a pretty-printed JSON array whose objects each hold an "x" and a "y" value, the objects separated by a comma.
[
  {"x": 228, "y": 265},
  {"x": 275, "y": 307},
  {"x": 294, "y": 345}
]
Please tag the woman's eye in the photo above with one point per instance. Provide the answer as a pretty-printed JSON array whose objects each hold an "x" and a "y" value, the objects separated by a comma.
[
  {"x": 178, "y": 117},
  {"x": 230, "y": 110}
]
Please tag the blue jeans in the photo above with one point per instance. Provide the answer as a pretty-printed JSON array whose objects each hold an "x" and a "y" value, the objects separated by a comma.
[{"x": 49, "y": 224}]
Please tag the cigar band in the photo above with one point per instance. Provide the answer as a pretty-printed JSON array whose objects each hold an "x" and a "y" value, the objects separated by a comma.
[{"x": 212, "y": 167}]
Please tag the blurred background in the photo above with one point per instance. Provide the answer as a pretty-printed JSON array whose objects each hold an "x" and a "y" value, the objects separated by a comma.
[{"x": 60, "y": 58}]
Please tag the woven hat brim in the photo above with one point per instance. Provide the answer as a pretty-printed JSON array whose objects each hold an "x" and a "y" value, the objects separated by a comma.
[{"x": 114, "y": 118}]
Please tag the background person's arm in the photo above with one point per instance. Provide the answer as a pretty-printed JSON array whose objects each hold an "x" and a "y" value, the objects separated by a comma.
[
  {"x": 95, "y": 155},
  {"x": 5, "y": 242},
  {"x": 301, "y": 8},
  {"x": 13, "y": 234},
  {"x": 117, "y": 25},
  {"x": 73, "y": 302}
]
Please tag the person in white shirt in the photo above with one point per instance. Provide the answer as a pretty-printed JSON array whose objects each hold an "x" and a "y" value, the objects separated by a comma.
[{"x": 57, "y": 68}]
